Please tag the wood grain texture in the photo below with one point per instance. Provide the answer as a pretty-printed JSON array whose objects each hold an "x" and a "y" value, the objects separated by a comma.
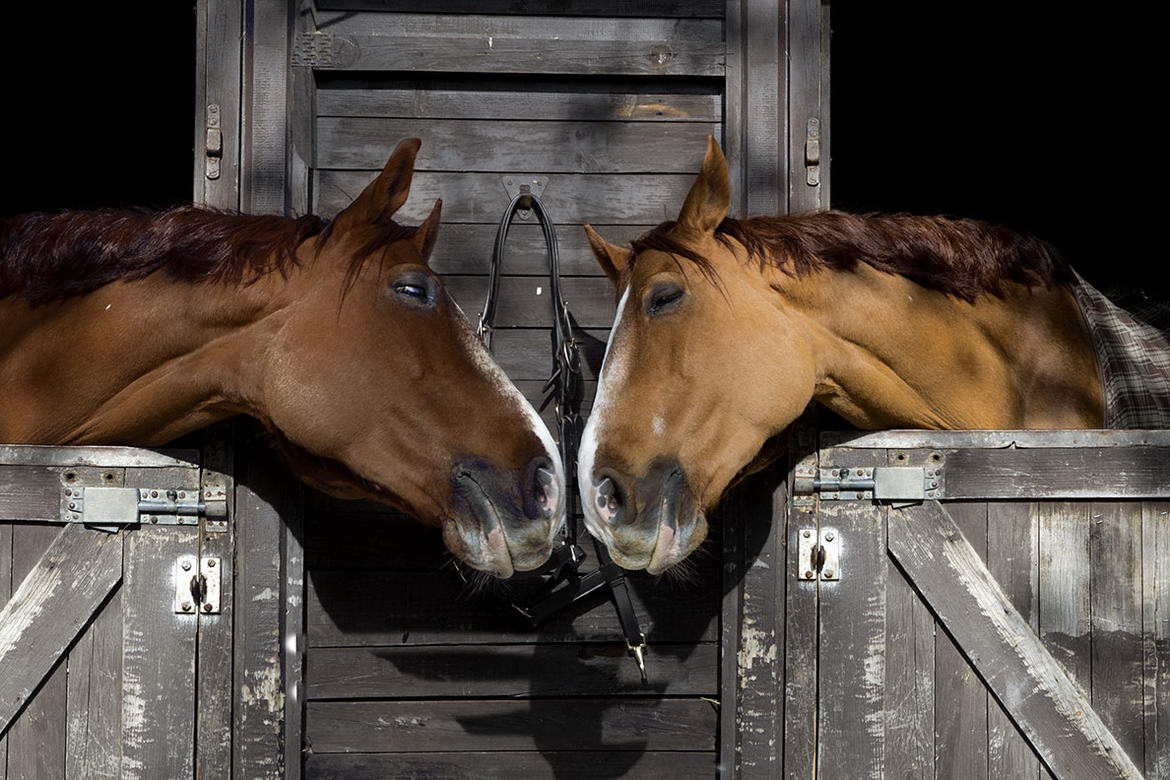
[
  {"x": 158, "y": 646},
  {"x": 264, "y": 120},
  {"x": 1056, "y": 717},
  {"x": 467, "y": 249},
  {"x": 909, "y": 740},
  {"x": 543, "y": 724},
  {"x": 5, "y": 593},
  {"x": 217, "y": 81},
  {"x": 358, "y": 143},
  {"x": 1121, "y": 472},
  {"x": 30, "y": 493},
  {"x": 961, "y": 700},
  {"x": 524, "y": 301},
  {"x": 631, "y": 199},
  {"x": 518, "y": 44},
  {"x": 512, "y": 671},
  {"x": 509, "y": 765},
  {"x": 1156, "y": 635},
  {"x": 59, "y": 595},
  {"x": 654, "y": 8},
  {"x": 553, "y": 99},
  {"x": 1115, "y": 561},
  {"x": 1065, "y": 623}
]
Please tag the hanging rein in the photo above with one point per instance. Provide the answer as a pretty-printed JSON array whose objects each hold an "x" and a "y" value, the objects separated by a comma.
[{"x": 565, "y": 584}]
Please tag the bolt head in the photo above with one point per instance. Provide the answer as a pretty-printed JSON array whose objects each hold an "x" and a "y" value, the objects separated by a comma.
[
  {"x": 828, "y": 572},
  {"x": 829, "y": 536},
  {"x": 154, "y": 494},
  {"x": 186, "y": 565},
  {"x": 186, "y": 606},
  {"x": 206, "y": 607},
  {"x": 211, "y": 562},
  {"x": 807, "y": 534},
  {"x": 808, "y": 575},
  {"x": 72, "y": 505}
]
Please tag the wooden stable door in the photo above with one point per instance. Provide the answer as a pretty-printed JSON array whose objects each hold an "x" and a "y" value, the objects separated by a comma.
[{"x": 979, "y": 604}]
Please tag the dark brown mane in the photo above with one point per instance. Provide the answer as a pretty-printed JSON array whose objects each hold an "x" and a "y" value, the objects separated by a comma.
[
  {"x": 52, "y": 257},
  {"x": 961, "y": 257}
]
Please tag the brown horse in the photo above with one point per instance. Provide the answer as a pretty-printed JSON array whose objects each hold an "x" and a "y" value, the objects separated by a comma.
[
  {"x": 726, "y": 329},
  {"x": 135, "y": 328}
]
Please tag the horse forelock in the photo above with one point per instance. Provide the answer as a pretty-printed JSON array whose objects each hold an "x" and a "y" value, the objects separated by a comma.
[
  {"x": 965, "y": 258},
  {"x": 45, "y": 258}
]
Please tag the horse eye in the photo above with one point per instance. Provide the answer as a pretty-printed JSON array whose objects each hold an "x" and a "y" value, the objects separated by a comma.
[
  {"x": 411, "y": 290},
  {"x": 663, "y": 299}
]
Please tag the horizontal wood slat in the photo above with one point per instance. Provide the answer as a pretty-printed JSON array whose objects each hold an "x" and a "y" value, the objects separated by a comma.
[
  {"x": 1080, "y": 472},
  {"x": 510, "y": 671},
  {"x": 529, "y": 765},
  {"x": 467, "y": 249},
  {"x": 545, "y": 724},
  {"x": 30, "y": 493},
  {"x": 656, "y": 8},
  {"x": 533, "y": 99},
  {"x": 525, "y": 301},
  {"x": 501, "y": 145},
  {"x": 519, "y": 44},
  {"x": 632, "y": 199}
]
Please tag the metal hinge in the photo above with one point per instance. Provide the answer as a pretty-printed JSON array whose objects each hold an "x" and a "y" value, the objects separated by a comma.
[
  {"x": 873, "y": 483},
  {"x": 110, "y": 508},
  {"x": 818, "y": 555},
  {"x": 213, "y": 145},
  {"x": 812, "y": 152},
  {"x": 197, "y": 585}
]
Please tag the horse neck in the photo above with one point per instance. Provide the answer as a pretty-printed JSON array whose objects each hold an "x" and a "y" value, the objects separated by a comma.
[
  {"x": 895, "y": 354},
  {"x": 138, "y": 362}
]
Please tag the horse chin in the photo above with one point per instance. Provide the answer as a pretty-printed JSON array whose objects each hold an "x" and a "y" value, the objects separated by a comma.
[
  {"x": 675, "y": 542},
  {"x": 478, "y": 540}
]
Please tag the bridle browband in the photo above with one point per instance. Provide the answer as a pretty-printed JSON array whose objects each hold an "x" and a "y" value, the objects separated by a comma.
[{"x": 565, "y": 584}]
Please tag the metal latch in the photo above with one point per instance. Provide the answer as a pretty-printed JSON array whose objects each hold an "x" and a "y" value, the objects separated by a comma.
[
  {"x": 812, "y": 152},
  {"x": 213, "y": 145},
  {"x": 109, "y": 508},
  {"x": 524, "y": 185},
  {"x": 819, "y": 554},
  {"x": 197, "y": 585},
  {"x": 877, "y": 483}
]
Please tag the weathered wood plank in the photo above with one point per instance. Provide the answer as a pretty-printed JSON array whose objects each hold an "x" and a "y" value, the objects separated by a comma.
[
  {"x": 213, "y": 747},
  {"x": 98, "y": 457},
  {"x": 5, "y": 594},
  {"x": 851, "y": 731},
  {"x": 49, "y": 608},
  {"x": 93, "y": 746},
  {"x": 30, "y": 493},
  {"x": 359, "y": 143},
  {"x": 653, "y": 8},
  {"x": 909, "y": 749},
  {"x": 957, "y": 440},
  {"x": 629, "y": 199},
  {"x": 530, "y": 765},
  {"x": 512, "y": 671},
  {"x": 1115, "y": 563},
  {"x": 413, "y": 608},
  {"x": 538, "y": 724},
  {"x": 525, "y": 354},
  {"x": 1156, "y": 634},
  {"x": 1013, "y": 550},
  {"x": 960, "y": 699},
  {"x": 550, "y": 100},
  {"x": 807, "y": 73},
  {"x": 1065, "y": 622},
  {"x": 467, "y": 249},
  {"x": 37, "y": 738},
  {"x": 517, "y": 44},
  {"x": 524, "y": 302},
  {"x": 217, "y": 82},
  {"x": 1129, "y": 472},
  {"x": 1057, "y": 719},
  {"x": 264, "y": 127},
  {"x": 158, "y": 646}
]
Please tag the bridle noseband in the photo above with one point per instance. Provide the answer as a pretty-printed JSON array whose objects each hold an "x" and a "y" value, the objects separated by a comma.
[{"x": 565, "y": 584}]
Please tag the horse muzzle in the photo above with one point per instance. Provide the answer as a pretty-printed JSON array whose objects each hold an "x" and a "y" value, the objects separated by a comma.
[
  {"x": 651, "y": 522},
  {"x": 504, "y": 522}
]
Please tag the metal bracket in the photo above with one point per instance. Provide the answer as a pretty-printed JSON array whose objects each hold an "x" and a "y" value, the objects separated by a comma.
[
  {"x": 812, "y": 152},
  {"x": 110, "y": 509},
  {"x": 213, "y": 145},
  {"x": 876, "y": 483},
  {"x": 818, "y": 555},
  {"x": 197, "y": 585},
  {"x": 524, "y": 185}
]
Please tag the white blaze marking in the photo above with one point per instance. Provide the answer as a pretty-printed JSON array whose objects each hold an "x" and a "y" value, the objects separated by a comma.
[
  {"x": 658, "y": 424},
  {"x": 613, "y": 369}
]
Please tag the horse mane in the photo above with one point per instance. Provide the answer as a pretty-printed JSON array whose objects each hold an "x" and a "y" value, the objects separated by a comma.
[
  {"x": 45, "y": 258},
  {"x": 961, "y": 257}
]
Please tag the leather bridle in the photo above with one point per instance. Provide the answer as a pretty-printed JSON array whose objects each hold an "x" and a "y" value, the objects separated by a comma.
[{"x": 565, "y": 583}]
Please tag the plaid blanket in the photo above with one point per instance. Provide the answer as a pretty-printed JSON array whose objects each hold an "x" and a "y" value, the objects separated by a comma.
[{"x": 1133, "y": 357}]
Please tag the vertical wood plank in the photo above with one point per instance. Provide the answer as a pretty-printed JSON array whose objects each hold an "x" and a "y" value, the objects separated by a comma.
[
  {"x": 851, "y": 720},
  {"x": 218, "y": 76},
  {"x": 806, "y": 65},
  {"x": 158, "y": 646},
  {"x": 800, "y": 625},
  {"x": 909, "y": 681},
  {"x": 1013, "y": 542},
  {"x": 213, "y": 757},
  {"x": 302, "y": 115},
  {"x": 1115, "y": 565},
  {"x": 263, "y": 169},
  {"x": 1156, "y": 634},
  {"x": 960, "y": 742},
  {"x": 264, "y": 490},
  {"x": 729, "y": 620},
  {"x": 93, "y": 746},
  {"x": 294, "y": 640},
  {"x": 36, "y": 741},
  {"x": 5, "y": 594}
]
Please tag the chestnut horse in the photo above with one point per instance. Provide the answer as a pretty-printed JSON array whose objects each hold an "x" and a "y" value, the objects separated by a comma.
[
  {"x": 122, "y": 327},
  {"x": 727, "y": 329}
]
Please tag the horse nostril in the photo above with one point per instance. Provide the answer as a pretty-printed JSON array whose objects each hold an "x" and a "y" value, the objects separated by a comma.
[
  {"x": 545, "y": 491},
  {"x": 609, "y": 500}
]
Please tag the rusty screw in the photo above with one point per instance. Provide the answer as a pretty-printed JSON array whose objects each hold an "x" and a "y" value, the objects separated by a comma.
[
  {"x": 828, "y": 573},
  {"x": 211, "y": 562},
  {"x": 206, "y": 607},
  {"x": 186, "y": 606},
  {"x": 807, "y": 534},
  {"x": 808, "y": 575}
]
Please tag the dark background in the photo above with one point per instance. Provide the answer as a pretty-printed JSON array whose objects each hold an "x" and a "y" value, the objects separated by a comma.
[{"x": 1041, "y": 119}]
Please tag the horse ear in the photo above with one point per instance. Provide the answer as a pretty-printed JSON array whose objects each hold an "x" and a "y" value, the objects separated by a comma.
[
  {"x": 613, "y": 259},
  {"x": 709, "y": 200},
  {"x": 426, "y": 233},
  {"x": 389, "y": 190}
]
